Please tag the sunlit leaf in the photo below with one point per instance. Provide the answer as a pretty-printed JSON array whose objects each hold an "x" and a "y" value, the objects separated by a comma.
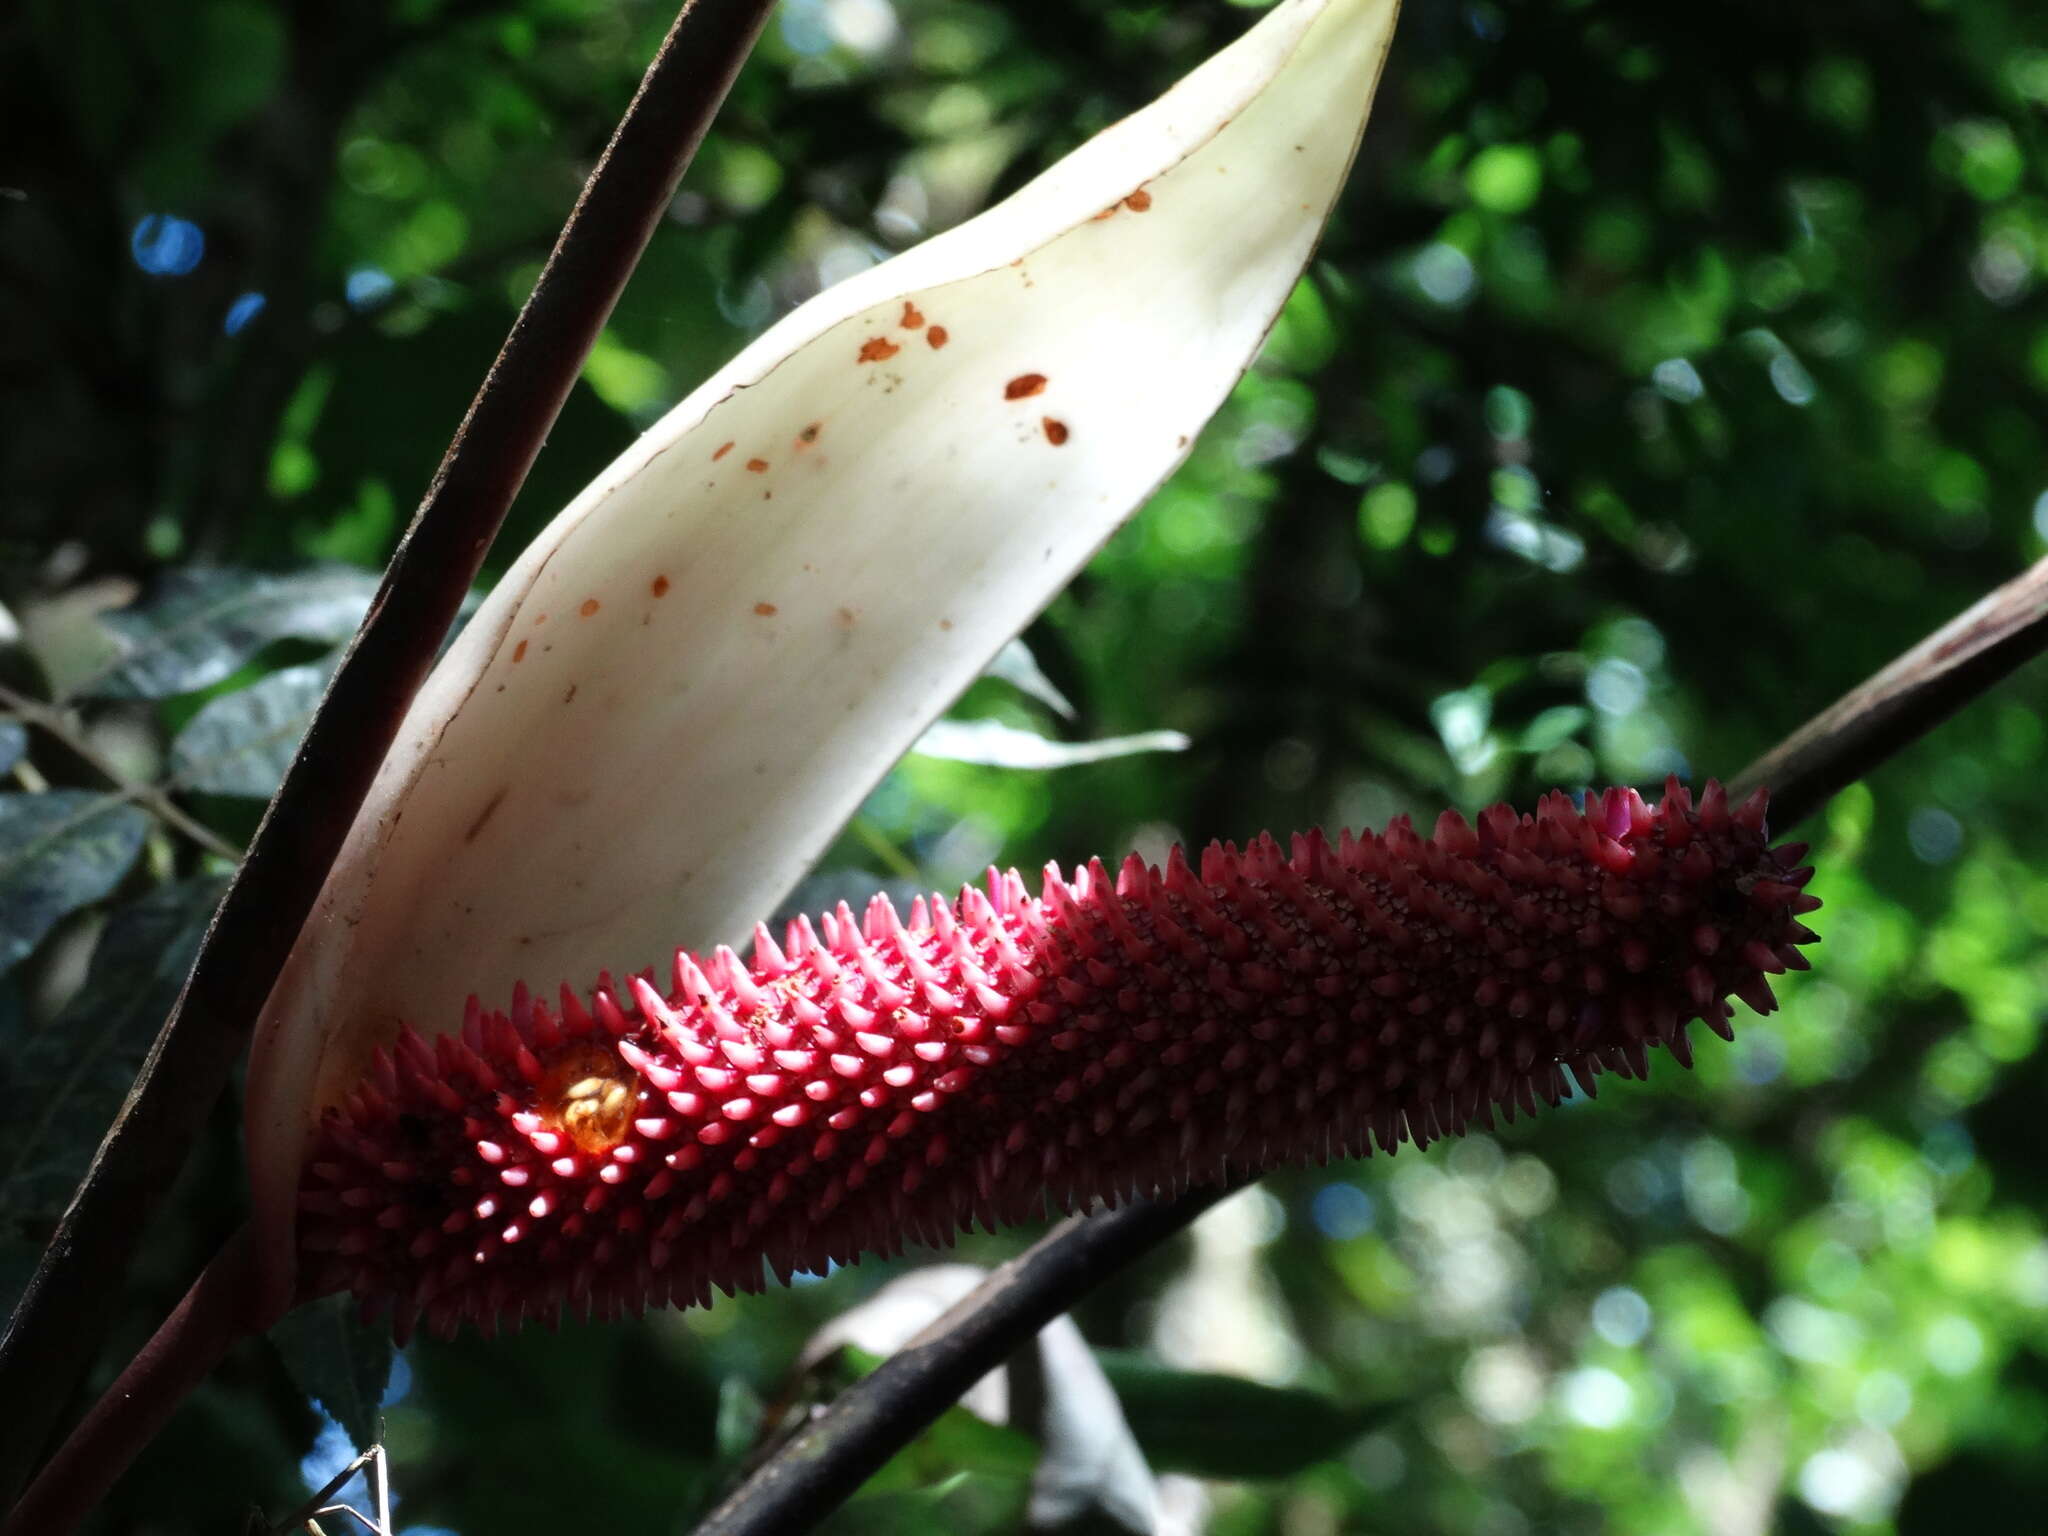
[
  {"x": 204, "y": 622},
  {"x": 58, "y": 852},
  {"x": 997, "y": 745},
  {"x": 682, "y": 689},
  {"x": 242, "y": 742},
  {"x": 1015, "y": 665}
]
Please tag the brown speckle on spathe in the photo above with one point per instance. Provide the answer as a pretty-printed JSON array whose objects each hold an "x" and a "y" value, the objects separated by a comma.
[
  {"x": 1056, "y": 431},
  {"x": 723, "y": 450},
  {"x": 1024, "y": 386},
  {"x": 848, "y": 617},
  {"x": 878, "y": 349},
  {"x": 518, "y": 653},
  {"x": 765, "y": 610},
  {"x": 1139, "y": 201},
  {"x": 809, "y": 435},
  {"x": 658, "y": 586},
  {"x": 490, "y": 807},
  {"x": 590, "y": 606},
  {"x": 757, "y": 466},
  {"x": 938, "y": 336},
  {"x": 913, "y": 317},
  {"x": 945, "y": 623},
  {"x": 570, "y": 696}
]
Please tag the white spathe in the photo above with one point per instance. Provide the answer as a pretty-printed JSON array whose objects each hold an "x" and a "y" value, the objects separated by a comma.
[{"x": 687, "y": 683}]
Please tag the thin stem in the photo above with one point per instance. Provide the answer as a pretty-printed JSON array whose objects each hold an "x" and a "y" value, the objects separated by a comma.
[
  {"x": 57, "y": 724},
  {"x": 877, "y": 1416},
  {"x": 1901, "y": 703},
  {"x": 57, "y": 1328},
  {"x": 873, "y": 1419}
]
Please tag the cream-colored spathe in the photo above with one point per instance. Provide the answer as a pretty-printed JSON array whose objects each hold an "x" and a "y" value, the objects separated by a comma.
[{"x": 686, "y": 684}]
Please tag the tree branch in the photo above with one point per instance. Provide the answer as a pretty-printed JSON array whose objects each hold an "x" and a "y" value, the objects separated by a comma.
[
  {"x": 877, "y": 1416},
  {"x": 1898, "y": 705},
  {"x": 868, "y": 1423},
  {"x": 57, "y": 1328}
]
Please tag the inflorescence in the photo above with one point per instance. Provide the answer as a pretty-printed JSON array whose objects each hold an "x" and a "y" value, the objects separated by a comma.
[{"x": 882, "y": 1080}]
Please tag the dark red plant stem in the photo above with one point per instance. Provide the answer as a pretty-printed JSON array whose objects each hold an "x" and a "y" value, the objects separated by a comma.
[
  {"x": 1895, "y": 707},
  {"x": 58, "y": 1325},
  {"x": 180, "y": 1355},
  {"x": 876, "y": 1417}
]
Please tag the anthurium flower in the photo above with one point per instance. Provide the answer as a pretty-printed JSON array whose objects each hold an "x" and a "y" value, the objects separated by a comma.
[{"x": 681, "y": 690}]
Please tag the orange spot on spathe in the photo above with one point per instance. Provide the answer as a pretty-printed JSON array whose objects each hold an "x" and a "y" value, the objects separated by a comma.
[
  {"x": 659, "y": 586},
  {"x": 757, "y": 466},
  {"x": 1056, "y": 431},
  {"x": 938, "y": 336},
  {"x": 1107, "y": 213},
  {"x": 1024, "y": 386},
  {"x": 765, "y": 610},
  {"x": 590, "y": 606},
  {"x": 518, "y": 653},
  {"x": 913, "y": 317},
  {"x": 878, "y": 349},
  {"x": 723, "y": 450},
  {"x": 1139, "y": 201}
]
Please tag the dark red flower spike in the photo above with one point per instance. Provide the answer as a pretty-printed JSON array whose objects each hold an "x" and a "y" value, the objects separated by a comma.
[{"x": 883, "y": 1080}]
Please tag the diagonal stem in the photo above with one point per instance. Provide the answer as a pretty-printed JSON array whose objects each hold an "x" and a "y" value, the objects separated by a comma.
[
  {"x": 57, "y": 1328},
  {"x": 877, "y": 1416}
]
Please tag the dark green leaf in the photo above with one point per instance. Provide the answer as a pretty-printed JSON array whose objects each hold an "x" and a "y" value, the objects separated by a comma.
[
  {"x": 339, "y": 1362},
  {"x": 58, "y": 852},
  {"x": 204, "y": 622},
  {"x": 1213, "y": 1425},
  {"x": 67, "y": 1078},
  {"x": 242, "y": 742}
]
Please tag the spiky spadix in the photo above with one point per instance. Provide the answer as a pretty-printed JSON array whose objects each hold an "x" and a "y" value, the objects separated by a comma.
[{"x": 882, "y": 1080}]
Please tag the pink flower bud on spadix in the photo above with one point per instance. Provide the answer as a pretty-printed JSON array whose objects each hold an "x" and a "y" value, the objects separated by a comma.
[{"x": 889, "y": 1078}]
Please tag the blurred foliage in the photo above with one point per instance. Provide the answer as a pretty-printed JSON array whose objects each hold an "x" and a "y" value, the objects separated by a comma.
[{"x": 1665, "y": 370}]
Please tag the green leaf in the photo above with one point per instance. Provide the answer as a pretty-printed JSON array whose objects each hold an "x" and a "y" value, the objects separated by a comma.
[
  {"x": 342, "y": 1364},
  {"x": 59, "y": 851},
  {"x": 741, "y": 1414},
  {"x": 1213, "y": 1425},
  {"x": 1015, "y": 665},
  {"x": 1554, "y": 727},
  {"x": 241, "y": 743},
  {"x": 204, "y": 622},
  {"x": 68, "y": 1078},
  {"x": 996, "y": 745}
]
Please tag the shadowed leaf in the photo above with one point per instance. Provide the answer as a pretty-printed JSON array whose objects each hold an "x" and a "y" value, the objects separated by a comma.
[{"x": 58, "y": 852}]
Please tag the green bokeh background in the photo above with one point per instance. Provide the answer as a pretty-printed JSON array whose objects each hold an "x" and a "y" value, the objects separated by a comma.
[{"x": 1665, "y": 370}]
